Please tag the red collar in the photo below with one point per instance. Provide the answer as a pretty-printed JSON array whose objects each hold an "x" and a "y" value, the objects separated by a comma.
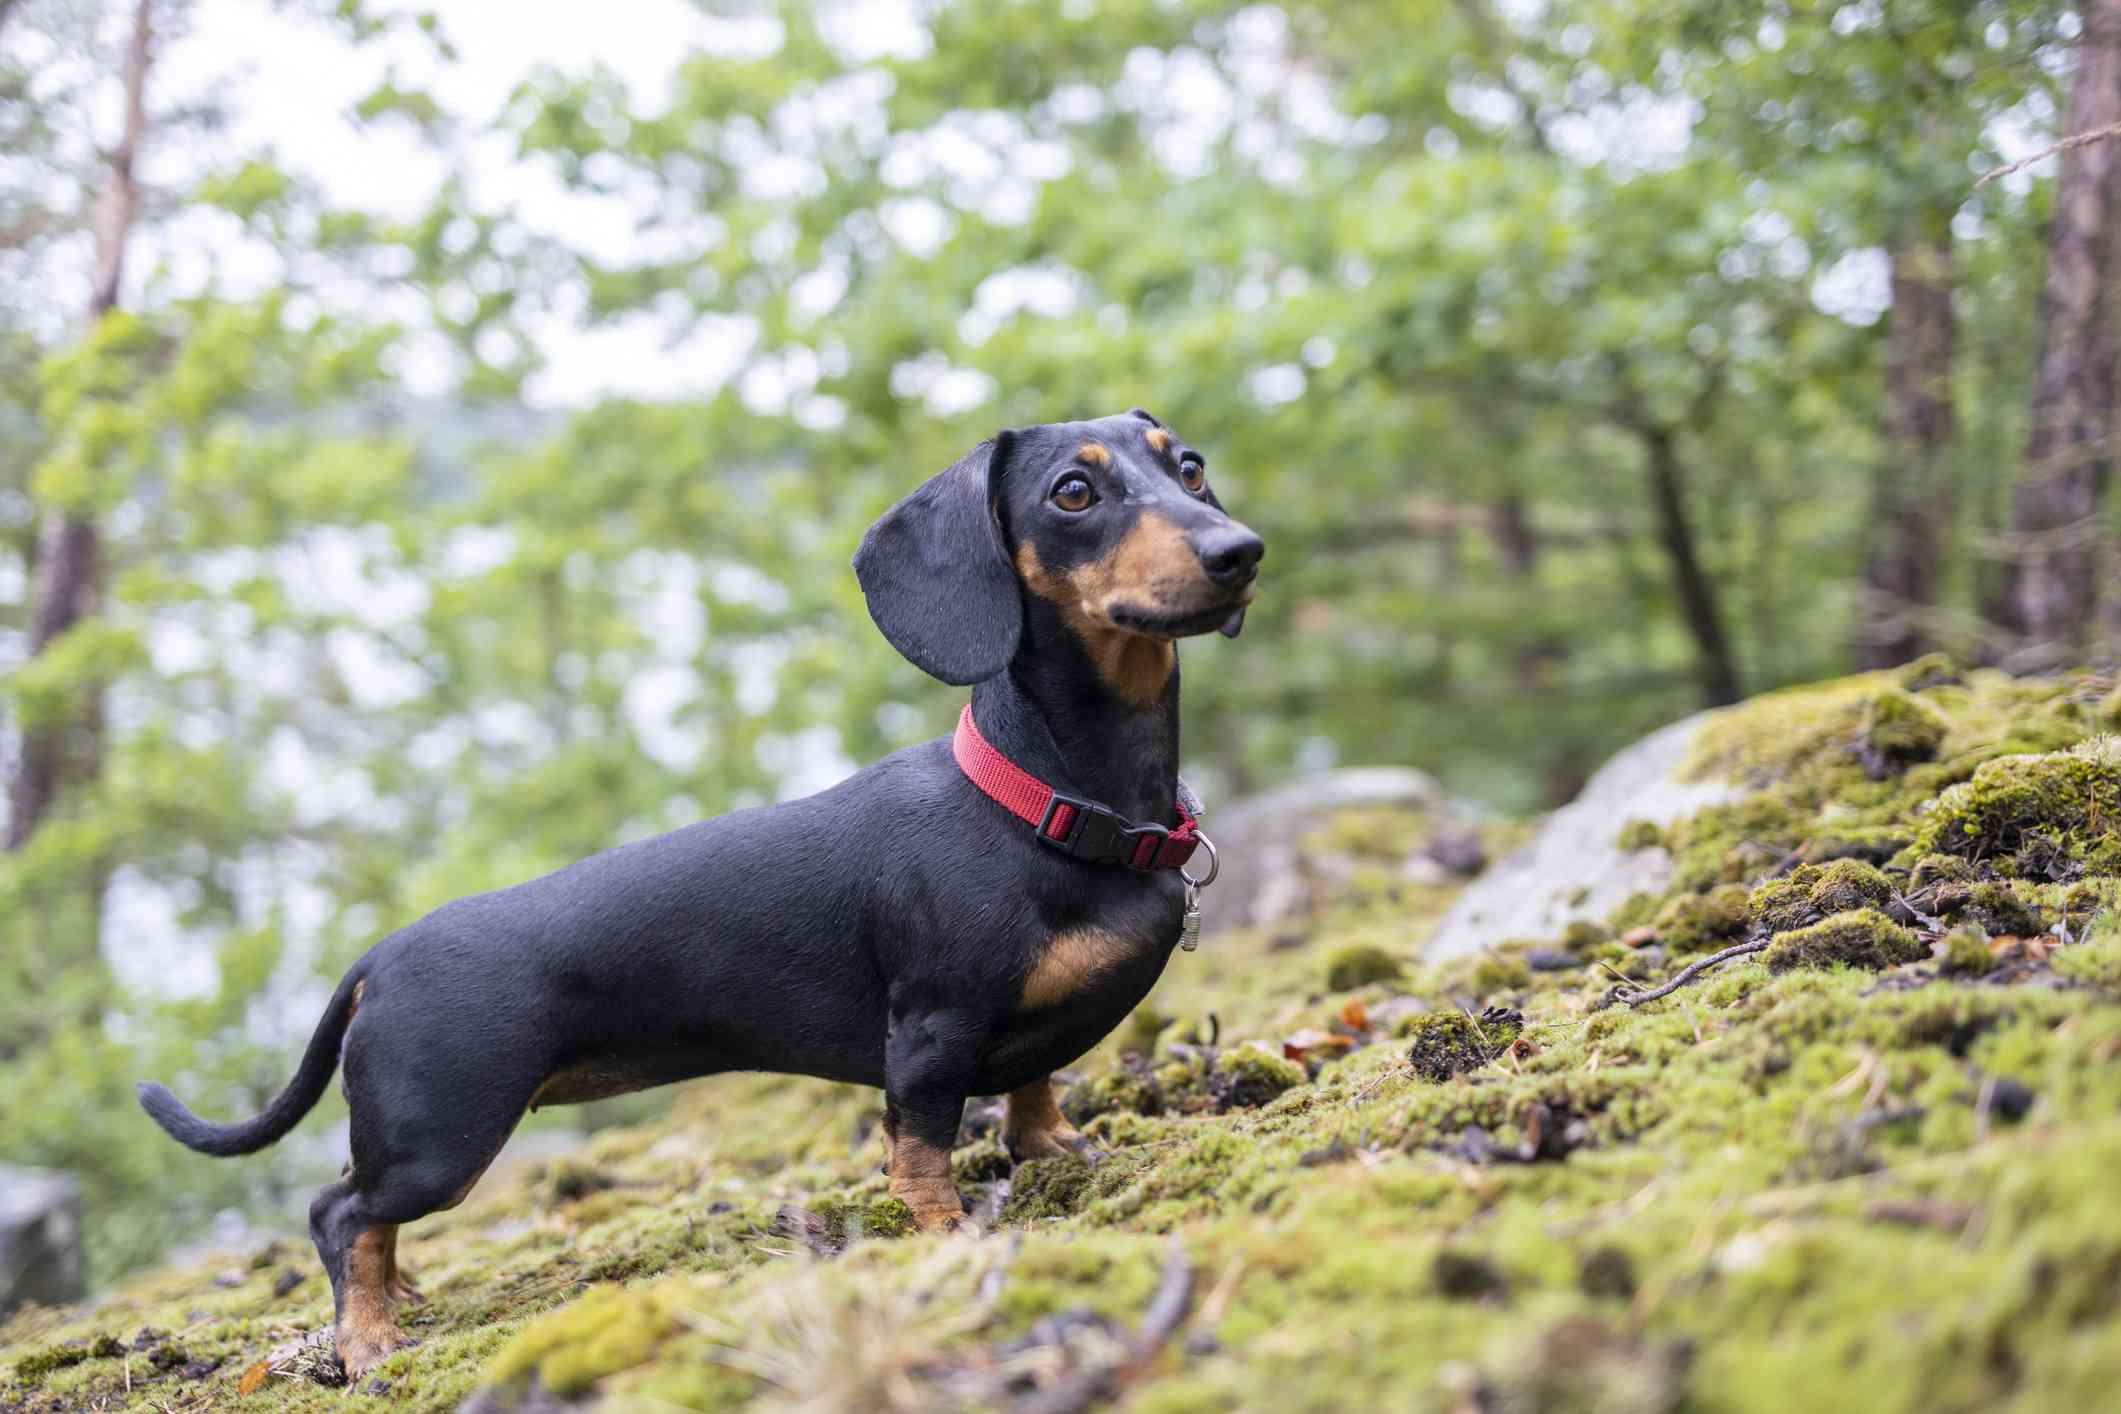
[{"x": 1076, "y": 827}]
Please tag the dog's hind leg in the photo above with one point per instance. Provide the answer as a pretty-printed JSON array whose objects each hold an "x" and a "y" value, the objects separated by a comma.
[
  {"x": 1033, "y": 1126},
  {"x": 356, "y": 1250},
  {"x": 424, "y": 1128}
]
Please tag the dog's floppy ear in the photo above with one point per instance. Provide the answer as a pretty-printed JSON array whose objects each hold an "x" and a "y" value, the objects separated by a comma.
[{"x": 937, "y": 578}]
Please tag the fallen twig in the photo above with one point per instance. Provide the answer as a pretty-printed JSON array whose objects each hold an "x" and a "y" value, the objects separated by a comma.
[
  {"x": 2073, "y": 141},
  {"x": 1166, "y": 1313},
  {"x": 1627, "y": 997}
]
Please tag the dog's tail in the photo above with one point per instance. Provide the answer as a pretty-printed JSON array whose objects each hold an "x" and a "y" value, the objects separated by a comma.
[{"x": 287, "y": 1108}]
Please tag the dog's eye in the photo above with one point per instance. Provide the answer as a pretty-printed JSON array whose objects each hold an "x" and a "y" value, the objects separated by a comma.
[
  {"x": 1193, "y": 476},
  {"x": 1073, "y": 494}
]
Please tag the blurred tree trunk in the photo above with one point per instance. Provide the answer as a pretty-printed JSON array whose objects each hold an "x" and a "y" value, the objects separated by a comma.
[
  {"x": 2050, "y": 593},
  {"x": 69, "y": 545},
  {"x": 1715, "y": 666},
  {"x": 1912, "y": 497}
]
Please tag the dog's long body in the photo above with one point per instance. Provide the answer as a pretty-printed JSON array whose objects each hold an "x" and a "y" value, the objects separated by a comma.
[{"x": 899, "y": 930}]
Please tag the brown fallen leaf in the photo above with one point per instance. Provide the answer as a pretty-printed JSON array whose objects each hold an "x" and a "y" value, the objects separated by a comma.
[
  {"x": 254, "y": 1378},
  {"x": 1309, "y": 1040},
  {"x": 1355, "y": 1016},
  {"x": 1639, "y": 937}
]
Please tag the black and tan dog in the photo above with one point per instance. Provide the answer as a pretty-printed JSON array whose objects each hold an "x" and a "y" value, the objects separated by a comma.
[{"x": 902, "y": 929}]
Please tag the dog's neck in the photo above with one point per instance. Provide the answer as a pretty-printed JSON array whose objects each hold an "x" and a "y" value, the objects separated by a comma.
[{"x": 1053, "y": 714}]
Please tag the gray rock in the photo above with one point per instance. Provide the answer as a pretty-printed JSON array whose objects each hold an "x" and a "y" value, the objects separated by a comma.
[
  {"x": 40, "y": 1239},
  {"x": 1572, "y": 869},
  {"x": 1264, "y": 877}
]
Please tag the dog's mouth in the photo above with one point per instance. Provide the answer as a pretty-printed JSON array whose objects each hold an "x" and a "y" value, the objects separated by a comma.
[{"x": 1160, "y": 622}]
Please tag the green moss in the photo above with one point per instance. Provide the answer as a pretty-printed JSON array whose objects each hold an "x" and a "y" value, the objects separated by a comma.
[
  {"x": 1360, "y": 964},
  {"x": 2070, "y": 796},
  {"x": 1640, "y": 834},
  {"x": 1583, "y": 935},
  {"x": 1900, "y": 730},
  {"x": 1445, "y": 1044},
  {"x": 1966, "y": 954},
  {"x": 1931, "y": 670},
  {"x": 1494, "y": 973},
  {"x": 1934, "y": 869},
  {"x": 1848, "y": 884},
  {"x": 1122, "y": 1089},
  {"x": 1048, "y": 1188},
  {"x": 1779, "y": 905},
  {"x": 2096, "y": 961},
  {"x": 1863, "y": 938},
  {"x": 33, "y": 1367},
  {"x": 1248, "y": 1076},
  {"x": 1635, "y": 912},
  {"x": 1385, "y": 833},
  {"x": 1703, "y": 922},
  {"x": 570, "y": 1181},
  {"x": 610, "y": 1329},
  {"x": 853, "y": 1218},
  {"x": 1996, "y": 907}
]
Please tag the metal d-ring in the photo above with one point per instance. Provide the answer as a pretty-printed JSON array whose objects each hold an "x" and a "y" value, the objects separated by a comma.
[{"x": 1215, "y": 864}]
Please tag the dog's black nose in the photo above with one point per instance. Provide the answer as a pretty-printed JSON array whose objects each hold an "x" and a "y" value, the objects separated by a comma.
[{"x": 1230, "y": 553}]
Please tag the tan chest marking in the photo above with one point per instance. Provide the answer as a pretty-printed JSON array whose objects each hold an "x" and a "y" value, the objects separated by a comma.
[{"x": 1074, "y": 960}]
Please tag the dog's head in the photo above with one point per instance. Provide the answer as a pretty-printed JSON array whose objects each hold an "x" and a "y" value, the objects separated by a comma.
[{"x": 1111, "y": 523}]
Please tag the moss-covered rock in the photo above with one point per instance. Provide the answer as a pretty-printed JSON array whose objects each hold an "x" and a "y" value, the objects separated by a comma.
[
  {"x": 1932, "y": 870},
  {"x": 1966, "y": 954},
  {"x": 1900, "y": 730},
  {"x": 1931, "y": 670},
  {"x": 1779, "y": 905},
  {"x": 1249, "y": 1076},
  {"x": 1848, "y": 884},
  {"x": 1704, "y": 922},
  {"x": 1048, "y": 1188},
  {"x": 1995, "y": 906},
  {"x": 1124, "y": 1088},
  {"x": 1641, "y": 834},
  {"x": 2069, "y": 796},
  {"x": 1360, "y": 964},
  {"x": 1446, "y": 1043},
  {"x": 1862, "y": 938}
]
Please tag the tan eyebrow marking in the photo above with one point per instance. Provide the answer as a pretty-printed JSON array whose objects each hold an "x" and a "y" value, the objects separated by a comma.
[
  {"x": 1158, "y": 438},
  {"x": 1093, "y": 453}
]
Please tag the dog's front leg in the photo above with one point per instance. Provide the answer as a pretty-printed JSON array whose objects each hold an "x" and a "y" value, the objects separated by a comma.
[{"x": 928, "y": 1063}]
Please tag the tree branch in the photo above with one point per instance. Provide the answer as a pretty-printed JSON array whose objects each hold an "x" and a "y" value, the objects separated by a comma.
[{"x": 2068, "y": 144}]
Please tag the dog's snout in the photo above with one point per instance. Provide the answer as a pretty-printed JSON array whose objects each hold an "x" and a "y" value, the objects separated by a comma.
[{"x": 1229, "y": 553}]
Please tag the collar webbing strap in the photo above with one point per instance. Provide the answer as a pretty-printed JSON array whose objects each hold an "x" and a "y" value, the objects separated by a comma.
[{"x": 1076, "y": 827}]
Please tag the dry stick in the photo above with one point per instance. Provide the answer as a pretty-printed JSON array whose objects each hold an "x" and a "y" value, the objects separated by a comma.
[
  {"x": 1166, "y": 1313},
  {"x": 2074, "y": 140},
  {"x": 1628, "y": 998}
]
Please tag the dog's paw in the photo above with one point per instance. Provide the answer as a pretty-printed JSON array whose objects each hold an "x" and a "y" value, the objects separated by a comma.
[
  {"x": 1052, "y": 1144},
  {"x": 362, "y": 1350}
]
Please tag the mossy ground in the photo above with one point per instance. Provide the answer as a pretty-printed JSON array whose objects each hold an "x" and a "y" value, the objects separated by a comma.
[{"x": 1822, "y": 1187}]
